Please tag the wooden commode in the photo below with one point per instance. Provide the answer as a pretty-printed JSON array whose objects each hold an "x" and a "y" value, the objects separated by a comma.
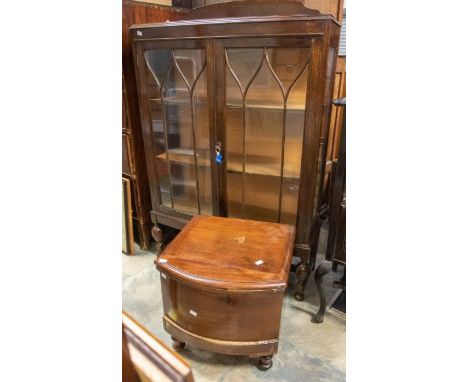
[{"x": 223, "y": 282}]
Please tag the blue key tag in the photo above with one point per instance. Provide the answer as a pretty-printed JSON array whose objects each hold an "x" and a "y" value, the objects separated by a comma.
[{"x": 219, "y": 157}]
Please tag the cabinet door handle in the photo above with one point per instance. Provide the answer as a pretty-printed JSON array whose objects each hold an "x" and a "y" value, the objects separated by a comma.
[{"x": 219, "y": 154}]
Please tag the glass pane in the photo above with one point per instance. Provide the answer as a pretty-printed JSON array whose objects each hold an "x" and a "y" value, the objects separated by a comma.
[
  {"x": 234, "y": 126},
  {"x": 159, "y": 145},
  {"x": 233, "y": 91},
  {"x": 293, "y": 143},
  {"x": 264, "y": 124},
  {"x": 158, "y": 62},
  {"x": 234, "y": 148},
  {"x": 177, "y": 109},
  {"x": 202, "y": 139},
  {"x": 268, "y": 125},
  {"x": 204, "y": 184},
  {"x": 164, "y": 183},
  {"x": 294, "y": 132},
  {"x": 179, "y": 113},
  {"x": 184, "y": 189},
  {"x": 263, "y": 141},
  {"x": 261, "y": 197},
  {"x": 191, "y": 63},
  {"x": 234, "y": 191},
  {"x": 288, "y": 64},
  {"x": 245, "y": 63},
  {"x": 289, "y": 201}
]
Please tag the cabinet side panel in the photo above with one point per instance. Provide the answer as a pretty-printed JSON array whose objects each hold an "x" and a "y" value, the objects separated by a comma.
[{"x": 311, "y": 144}]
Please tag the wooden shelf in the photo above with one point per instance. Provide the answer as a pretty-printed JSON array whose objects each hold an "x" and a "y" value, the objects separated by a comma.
[
  {"x": 185, "y": 156},
  {"x": 182, "y": 101},
  {"x": 266, "y": 214},
  {"x": 256, "y": 165},
  {"x": 261, "y": 213},
  {"x": 184, "y": 205},
  {"x": 264, "y": 106},
  {"x": 255, "y": 103},
  {"x": 179, "y": 183},
  {"x": 259, "y": 101}
]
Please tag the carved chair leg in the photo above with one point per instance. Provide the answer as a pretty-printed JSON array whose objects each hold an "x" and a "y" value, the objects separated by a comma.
[
  {"x": 177, "y": 345},
  {"x": 314, "y": 244},
  {"x": 265, "y": 362},
  {"x": 335, "y": 266},
  {"x": 158, "y": 238},
  {"x": 323, "y": 268}
]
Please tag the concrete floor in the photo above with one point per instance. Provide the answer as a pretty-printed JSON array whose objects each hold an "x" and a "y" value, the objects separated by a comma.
[{"x": 307, "y": 351}]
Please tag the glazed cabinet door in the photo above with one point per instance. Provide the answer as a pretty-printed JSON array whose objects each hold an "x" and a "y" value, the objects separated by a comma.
[
  {"x": 176, "y": 120},
  {"x": 261, "y": 115}
]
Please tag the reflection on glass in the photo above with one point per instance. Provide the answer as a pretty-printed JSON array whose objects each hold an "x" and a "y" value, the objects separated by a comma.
[
  {"x": 245, "y": 63},
  {"x": 265, "y": 104},
  {"x": 179, "y": 117},
  {"x": 158, "y": 61}
]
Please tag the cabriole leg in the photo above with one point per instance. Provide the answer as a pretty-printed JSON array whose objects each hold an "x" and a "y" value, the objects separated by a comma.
[
  {"x": 302, "y": 271},
  {"x": 323, "y": 268},
  {"x": 157, "y": 235}
]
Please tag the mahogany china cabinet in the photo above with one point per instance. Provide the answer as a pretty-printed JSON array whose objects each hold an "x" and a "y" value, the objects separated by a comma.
[{"x": 235, "y": 102}]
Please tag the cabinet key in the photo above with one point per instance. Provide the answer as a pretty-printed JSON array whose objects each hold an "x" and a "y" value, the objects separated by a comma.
[{"x": 219, "y": 154}]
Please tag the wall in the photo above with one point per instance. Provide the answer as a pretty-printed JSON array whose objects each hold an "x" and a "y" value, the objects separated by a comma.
[{"x": 335, "y": 7}]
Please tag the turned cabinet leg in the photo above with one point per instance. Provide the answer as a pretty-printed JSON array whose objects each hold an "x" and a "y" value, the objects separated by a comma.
[
  {"x": 323, "y": 268},
  {"x": 307, "y": 263},
  {"x": 158, "y": 238},
  {"x": 177, "y": 345},
  {"x": 301, "y": 276},
  {"x": 265, "y": 362},
  {"x": 302, "y": 273}
]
